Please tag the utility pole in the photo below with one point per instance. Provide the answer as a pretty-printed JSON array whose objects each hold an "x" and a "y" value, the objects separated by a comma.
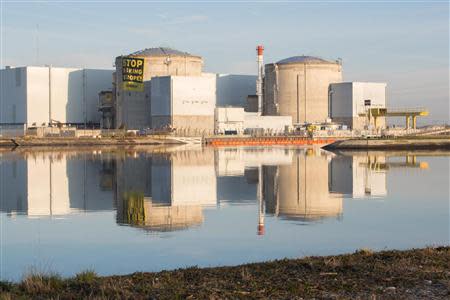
[
  {"x": 50, "y": 95},
  {"x": 84, "y": 99},
  {"x": 37, "y": 44}
]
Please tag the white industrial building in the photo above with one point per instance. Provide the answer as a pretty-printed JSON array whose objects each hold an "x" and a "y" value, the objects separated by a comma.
[
  {"x": 37, "y": 96},
  {"x": 183, "y": 102},
  {"x": 234, "y": 120},
  {"x": 350, "y": 101},
  {"x": 229, "y": 120}
]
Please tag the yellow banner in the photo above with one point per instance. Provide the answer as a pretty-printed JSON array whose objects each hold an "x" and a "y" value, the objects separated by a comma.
[
  {"x": 133, "y": 86},
  {"x": 133, "y": 74}
]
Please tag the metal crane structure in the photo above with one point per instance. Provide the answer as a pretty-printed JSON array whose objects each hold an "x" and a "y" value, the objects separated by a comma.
[{"x": 408, "y": 113}]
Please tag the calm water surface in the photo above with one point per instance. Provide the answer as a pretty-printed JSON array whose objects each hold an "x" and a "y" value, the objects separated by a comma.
[{"x": 125, "y": 211}]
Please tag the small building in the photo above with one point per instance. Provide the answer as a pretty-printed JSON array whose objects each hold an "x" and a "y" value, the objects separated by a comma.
[
  {"x": 350, "y": 102},
  {"x": 229, "y": 120},
  {"x": 234, "y": 120},
  {"x": 184, "y": 103},
  {"x": 39, "y": 96},
  {"x": 253, "y": 123}
]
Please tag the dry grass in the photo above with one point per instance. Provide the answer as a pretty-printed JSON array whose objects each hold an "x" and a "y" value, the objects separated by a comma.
[
  {"x": 412, "y": 274},
  {"x": 87, "y": 276},
  {"x": 38, "y": 283}
]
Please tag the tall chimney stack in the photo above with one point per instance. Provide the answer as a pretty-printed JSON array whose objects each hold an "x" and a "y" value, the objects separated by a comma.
[{"x": 259, "y": 81}]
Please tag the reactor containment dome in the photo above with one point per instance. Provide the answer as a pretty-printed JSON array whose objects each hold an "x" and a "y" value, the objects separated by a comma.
[
  {"x": 132, "y": 81},
  {"x": 298, "y": 86}
]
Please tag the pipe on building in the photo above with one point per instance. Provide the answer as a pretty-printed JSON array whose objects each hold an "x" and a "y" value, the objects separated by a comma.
[
  {"x": 50, "y": 95},
  {"x": 330, "y": 93}
]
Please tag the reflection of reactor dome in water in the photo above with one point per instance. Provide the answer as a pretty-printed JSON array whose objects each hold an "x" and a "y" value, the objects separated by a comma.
[{"x": 302, "y": 192}]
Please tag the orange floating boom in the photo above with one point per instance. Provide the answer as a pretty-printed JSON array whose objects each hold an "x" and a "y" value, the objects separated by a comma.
[{"x": 263, "y": 141}]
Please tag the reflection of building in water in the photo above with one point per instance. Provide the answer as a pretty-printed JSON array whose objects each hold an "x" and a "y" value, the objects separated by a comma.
[
  {"x": 139, "y": 211},
  {"x": 187, "y": 177},
  {"x": 237, "y": 171},
  {"x": 51, "y": 184},
  {"x": 90, "y": 185},
  {"x": 300, "y": 190},
  {"x": 358, "y": 175},
  {"x": 234, "y": 161},
  {"x": 361, "y": 174},
  {"x": 171, "y": 197}
]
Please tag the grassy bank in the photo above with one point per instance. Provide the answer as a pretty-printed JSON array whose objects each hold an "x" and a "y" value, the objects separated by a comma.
[{"x": 421, "y": 273}]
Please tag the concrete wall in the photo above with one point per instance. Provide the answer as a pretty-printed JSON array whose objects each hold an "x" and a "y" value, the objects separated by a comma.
[
  {"x": 193, "y": 95},
  {"x": 299, "y": 90},
  {"x": 273, "y": 123},
  {"x": 194, "y": 125},
  {"x": 161, "y": 96},
  {"x": 13, "y": 95},
  {"x": 38, "y": 96},
  {"x": 133, "y": 108},
  {"x": 232, "y": 90}
]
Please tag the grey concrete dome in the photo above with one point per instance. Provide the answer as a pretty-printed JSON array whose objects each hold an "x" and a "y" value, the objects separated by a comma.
[
  {"x": 161, "y": 51},
  {"x": 304, "y": 59}
]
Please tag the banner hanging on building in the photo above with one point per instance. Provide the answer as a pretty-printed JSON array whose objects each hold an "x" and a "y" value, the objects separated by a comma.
[{"x": 133, "y": 74}]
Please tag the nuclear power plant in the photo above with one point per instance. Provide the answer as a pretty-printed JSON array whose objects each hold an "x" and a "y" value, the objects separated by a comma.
[{"x": 166, "y": 91}]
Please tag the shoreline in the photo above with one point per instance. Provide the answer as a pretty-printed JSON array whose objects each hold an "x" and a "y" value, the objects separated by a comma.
[
  {"x": 331, "y": 144},
  {"x": 416, "y": 273},
  {"x": 400, "y": 143},
  {"x": 84, "y": 141}
]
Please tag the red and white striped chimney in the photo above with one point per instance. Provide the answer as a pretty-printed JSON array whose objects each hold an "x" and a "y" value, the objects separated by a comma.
[{"x": 259, "y": 81}]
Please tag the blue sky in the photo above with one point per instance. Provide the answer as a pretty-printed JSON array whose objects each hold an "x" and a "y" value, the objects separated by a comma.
[{"x": 405, "y": 44}]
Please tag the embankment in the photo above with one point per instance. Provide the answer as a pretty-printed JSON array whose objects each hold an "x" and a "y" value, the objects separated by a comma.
[
  {"x": 436, "y": 143},
  {"x": 411, "y": 274},
  {"x": 64, "y": 142}
]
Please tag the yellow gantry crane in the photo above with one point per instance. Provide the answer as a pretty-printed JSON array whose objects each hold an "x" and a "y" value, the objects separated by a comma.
[{"x": 408, "y": 113}]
